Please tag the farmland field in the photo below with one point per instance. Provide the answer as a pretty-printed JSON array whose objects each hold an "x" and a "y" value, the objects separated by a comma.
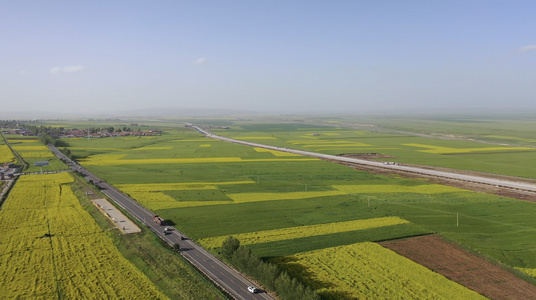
[
  {"x": 5, "y": 154},
  {"x": 51, "y": 248},
  {"x": 32, "y": 150},
  {"x": 466, "y": 268},
  {"x": 304, "y": 231},
  {"x": 172, "y": 274},
  {"x": 369, "y": 271},
  {"x": 505, "y": 128},
  {"x": 211, "y": 192},
  {"x": 513, "y": 160}
]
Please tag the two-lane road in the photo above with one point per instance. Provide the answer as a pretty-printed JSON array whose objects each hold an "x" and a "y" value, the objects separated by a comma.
[{"x": 222, "y": 275}]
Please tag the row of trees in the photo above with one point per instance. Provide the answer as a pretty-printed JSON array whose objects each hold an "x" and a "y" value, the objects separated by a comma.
[
  {"x": 46, "y": 139},
  {"x": 45, "y": 134},
  {"x": 40, "y": 130},
  {"x": 10, "y": 124},
  {"x": 269, "y": 275},
  {"x": 48, "y": 135},
  {"x": 109, "y": 129},
  {"x": 67, "y": 153},
  {"x": 58, "y": 131}
]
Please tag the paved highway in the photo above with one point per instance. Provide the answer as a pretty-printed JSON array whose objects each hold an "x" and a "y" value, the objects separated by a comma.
[
  {"x": 222, "y": 275},
  {"x": 524, "y": 186},
  {"x": 227, "y": 278}
]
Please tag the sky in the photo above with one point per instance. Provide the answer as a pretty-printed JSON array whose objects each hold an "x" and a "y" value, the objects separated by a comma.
[{"x": 351, "y": 56}]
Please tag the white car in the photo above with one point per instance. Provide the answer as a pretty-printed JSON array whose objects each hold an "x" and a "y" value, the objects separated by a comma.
[{"x": 252, "y": 289}]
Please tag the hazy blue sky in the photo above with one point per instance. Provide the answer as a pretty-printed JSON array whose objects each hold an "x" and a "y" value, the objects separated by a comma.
[{"x": 290, "y": 56}]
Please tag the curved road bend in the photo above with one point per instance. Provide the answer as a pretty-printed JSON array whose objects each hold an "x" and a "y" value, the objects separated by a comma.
[
  {"x": 524, "y": 186},
  {"x": 225, "y": 277}
]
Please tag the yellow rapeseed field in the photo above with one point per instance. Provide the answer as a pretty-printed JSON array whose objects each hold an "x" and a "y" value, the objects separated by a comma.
[
  {"x": 151, "y": 195},
  {"x": 447, "y": 150},
  {"x": 11, "y": 141},
  {"x": 51, "y": 248},
  {"x": 112, "y": 162},
  {"x": 93, "y": 148},
  {"x": 103, "y": 159},
  {"x": 149, "y": 187},
  {"x": 150, "y": 148},
  {"x": 191, "y": 140},
  {"x": 139, "y": 137},
  {"x": 5, "y": 154},
  {"x": 315, "y": 129},
  {"x": 119, "y": 149},
  {"x": 303, "y": 231},
  {"x": 154, "y": 200},
  {"x": 39, "y": 154},
  {"x": 370, "y": 271},
  {"x": 320, "y": 143},
  {"x": 254, "y": 138},
  {"x": 316, "y": 145},
  {"x": 253, "y": 197},
  {"x": 276, "y": 153},
  {"x": 30, "y": 148},
  {"x": 159, "y": 200},
  {"x": 384, "y": 188},
  {"x": 531, "y": 272}
]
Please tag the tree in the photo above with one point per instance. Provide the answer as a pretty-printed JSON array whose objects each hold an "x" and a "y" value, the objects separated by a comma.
[
  {"x": 229, "y": 246},
  {"x": 282, "y": 286},
  {"x": 270, "y": 274},
  {"x": 176, "y": 247},
  {"x": 67, "y": 152}
]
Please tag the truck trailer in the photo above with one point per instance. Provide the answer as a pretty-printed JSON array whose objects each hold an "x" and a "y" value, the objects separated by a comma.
[{"x": 159, "y": 220}]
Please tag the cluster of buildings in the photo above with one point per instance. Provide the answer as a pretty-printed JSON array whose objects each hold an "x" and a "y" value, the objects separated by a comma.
[
  {"x": 69, "y": 133},
  {"x": 7, "y": 170},
  {"x": 21, "y": 131}
]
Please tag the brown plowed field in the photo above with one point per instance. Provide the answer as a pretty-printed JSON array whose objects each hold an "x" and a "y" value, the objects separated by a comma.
[{"x": 469, "y": 270}]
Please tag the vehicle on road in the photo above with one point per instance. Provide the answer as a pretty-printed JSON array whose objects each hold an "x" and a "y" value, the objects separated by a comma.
[
  {"x": 159, "y": 220},
  {"x": 253, "y": 289}
]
